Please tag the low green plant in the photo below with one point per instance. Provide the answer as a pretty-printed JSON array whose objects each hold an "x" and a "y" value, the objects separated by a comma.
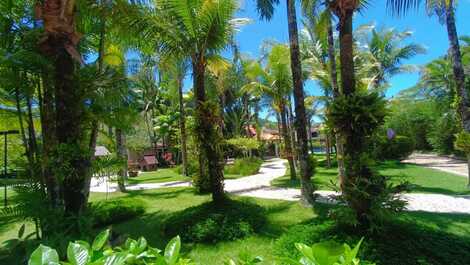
[
  {"x": 212, "y": 223},
  {"x": 101, "y": 253},
  {"x": 244, "y": 166},
  {"x": 139, "y": 252},
  {"x": 114, "y": 211}
]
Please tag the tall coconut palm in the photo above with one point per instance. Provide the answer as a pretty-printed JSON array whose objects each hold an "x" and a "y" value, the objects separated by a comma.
[
  {"x": 445, "y": 10},
  {"x": 196, "y": 30},
  {"x": 266, "y": 10},
  {"x": 386, "y": 53},
  {"x": 274, "y": 82},
  {"x": 355, "y": 114}
]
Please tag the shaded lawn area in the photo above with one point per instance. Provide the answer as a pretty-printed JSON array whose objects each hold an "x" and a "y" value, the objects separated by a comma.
[
  {"x": 422, "y": 180},
  {"x": 162, "y": 204},
  {"x": 160, "y": 175}
]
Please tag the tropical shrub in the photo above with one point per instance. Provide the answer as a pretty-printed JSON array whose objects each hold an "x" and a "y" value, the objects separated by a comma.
[
  {"x": 113, "y": 211},
  {"x": 212, "y": 223},
  {"x": 397, "y": 148},
  {"x": 193, "y": 168},
  {"x": 244, "y": 166},
  {"x": 139, "y": 252},
  {"x": 442, "y": 135},
  {"x": 101, "y": 253},
  {"x": 244, "y": 145}
]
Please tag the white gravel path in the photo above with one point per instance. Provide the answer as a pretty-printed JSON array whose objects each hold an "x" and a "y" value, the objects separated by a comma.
[
  {"x": 443, "y": 163},
  {"x": 259, "y": 186}
]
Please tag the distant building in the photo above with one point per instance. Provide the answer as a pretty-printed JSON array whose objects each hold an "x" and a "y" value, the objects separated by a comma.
[{"x": 101, "y": 151}]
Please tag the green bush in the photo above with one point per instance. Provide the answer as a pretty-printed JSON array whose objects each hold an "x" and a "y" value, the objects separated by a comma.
[
  {"x": 212, "y": 223},
  {"x": 397, "y": 148},
  {"x": 442, "y": 135},
  {"x": 114, "y": 211},
  {"x": 193, "y": 168},
  {"x": 400, "y": 242},
  {"x": 244, "y": 166},
  {"x": 139, "y": 252}
]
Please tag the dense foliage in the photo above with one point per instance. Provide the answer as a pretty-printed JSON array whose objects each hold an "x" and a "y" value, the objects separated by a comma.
[
  {"x": 139, "y": 252},
  {"x": 212, "y": 223}
]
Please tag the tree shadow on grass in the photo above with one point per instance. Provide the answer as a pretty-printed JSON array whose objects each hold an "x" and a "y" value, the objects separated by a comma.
[
  {"x": 413, "y": 239},
  {"x": 423, "y": 189},
  {"x": 163, "y": 193}
]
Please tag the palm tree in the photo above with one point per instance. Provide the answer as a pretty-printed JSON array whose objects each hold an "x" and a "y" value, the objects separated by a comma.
[
  {"x": 60, "y": 44},
  {"x": 445, "y": 9},
  {"x": 386, "y": 54},
  {"x": 196, "y": 30},
  {"x": 274, "y": 82},
  {"x": 266, "y": 10}
]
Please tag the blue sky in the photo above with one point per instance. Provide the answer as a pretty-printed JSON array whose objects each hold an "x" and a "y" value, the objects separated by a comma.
[{"x": 427, "y": 32}]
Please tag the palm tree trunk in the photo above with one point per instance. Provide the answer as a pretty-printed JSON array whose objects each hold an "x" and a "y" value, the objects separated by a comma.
[
  {"x": 336, "y": 93},
  {"x": 355, "y": 173},
  {"x": 459, "y": 74},
  {"x": 328, "y": 150},
  {"x": 287, "y": 142},
  {"x": 69, "y": 118},
  {"x": 300, "y": 113},
  {"x": 184, "y": 149},
  {"x": 207, "y": 136},
  {"x": 49, "y": 140},
  {"x": 122, "y": 155}
]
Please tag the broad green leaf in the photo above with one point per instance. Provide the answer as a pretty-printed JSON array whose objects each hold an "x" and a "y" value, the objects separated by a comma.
[
  {"x": 116, "y": 259},
  {"x": 172, "y": 251},
  {"x": 78, "y": 253},
  {"x": 44, "y": 255},
  {"x": 100, "y": 240},
  {"x": 327, "y": 253},
  {"x": 305, "y": 250}
]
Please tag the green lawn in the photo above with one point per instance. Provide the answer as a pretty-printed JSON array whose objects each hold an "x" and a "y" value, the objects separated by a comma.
[
  {"x": 423, "y": 180},
  {"x": 281, "y": 216},
  {"x": 160, "y": 175}
]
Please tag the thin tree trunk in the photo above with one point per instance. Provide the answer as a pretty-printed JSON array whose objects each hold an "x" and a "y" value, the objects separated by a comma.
[
  {"x": 328, "y": 150},
  {"x": 336, "y": 93},
  {"x": 122, "y": 155},
  {"x": 33, "y": 147},
  {"x": 300, "y": 113},
  {"x": 206, "y": 133},
  {"x": 287, "y": 142},
  {"x": 291, "y": 130},
  {"x": 184, "y": 149},
  {"x": 22, "y": 131},
  {"x": 459, "y": 74}
]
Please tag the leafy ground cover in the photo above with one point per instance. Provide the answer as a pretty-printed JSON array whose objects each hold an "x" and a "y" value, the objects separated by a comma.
[
  {"x": 422, "y": 180},
  {"x": 412, "y": 238}
]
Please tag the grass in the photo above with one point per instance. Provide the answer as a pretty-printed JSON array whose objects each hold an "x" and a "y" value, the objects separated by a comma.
[
  {"x": 164, "y": 204},
  {"x": 243, "y": 167},
  {"x": 423, "y": 180},
  {"x": 161, "y": 175}
]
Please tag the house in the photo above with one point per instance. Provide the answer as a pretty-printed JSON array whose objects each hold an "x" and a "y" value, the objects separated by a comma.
[{"x": 148, "y": 162}]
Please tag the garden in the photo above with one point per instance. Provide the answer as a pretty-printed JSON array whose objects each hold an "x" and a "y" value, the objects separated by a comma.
[{"x": 171, "y": 132}]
